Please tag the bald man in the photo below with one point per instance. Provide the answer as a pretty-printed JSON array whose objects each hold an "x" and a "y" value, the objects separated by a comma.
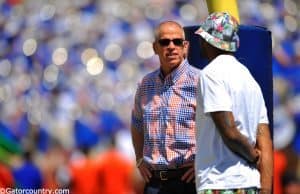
[{"x": 163, "y": 116}]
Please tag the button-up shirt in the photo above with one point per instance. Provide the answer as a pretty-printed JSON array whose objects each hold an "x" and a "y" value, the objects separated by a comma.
[{"x": 164, "y": 110}]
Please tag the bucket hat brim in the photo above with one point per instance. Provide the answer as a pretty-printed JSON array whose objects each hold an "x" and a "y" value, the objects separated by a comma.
[{"x": 217, "y": 42}]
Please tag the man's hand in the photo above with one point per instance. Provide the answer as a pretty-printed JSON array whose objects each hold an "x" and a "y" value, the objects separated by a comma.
[
  {"x": 189, "y": 175},
  {"x": 144, "y": 169},
  {"x": 259, "y": 158},
  {"x": 257, "y": 162}
]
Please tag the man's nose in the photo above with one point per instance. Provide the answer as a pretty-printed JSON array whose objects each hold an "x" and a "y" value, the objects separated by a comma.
[{"x": 171, "y": 45}]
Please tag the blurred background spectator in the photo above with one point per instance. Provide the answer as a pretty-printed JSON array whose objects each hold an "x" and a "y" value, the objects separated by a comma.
[{"x": 68, "y": 71}]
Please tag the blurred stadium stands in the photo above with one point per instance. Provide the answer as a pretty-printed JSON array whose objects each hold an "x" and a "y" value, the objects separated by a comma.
[{"x": 69, "y": 70}]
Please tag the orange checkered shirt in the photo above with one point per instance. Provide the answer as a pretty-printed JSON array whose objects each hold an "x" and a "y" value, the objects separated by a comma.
[{"x": 164, "y": 110}]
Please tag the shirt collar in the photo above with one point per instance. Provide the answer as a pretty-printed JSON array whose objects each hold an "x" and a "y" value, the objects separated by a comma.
[{"x": 176, "y": 73}]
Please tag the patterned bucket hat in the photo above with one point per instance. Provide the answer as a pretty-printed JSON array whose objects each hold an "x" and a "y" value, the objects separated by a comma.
[{"x": 220, "y": 30}]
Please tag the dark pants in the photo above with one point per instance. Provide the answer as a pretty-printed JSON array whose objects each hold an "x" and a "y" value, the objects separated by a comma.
[{"x": 176, "y": 186}]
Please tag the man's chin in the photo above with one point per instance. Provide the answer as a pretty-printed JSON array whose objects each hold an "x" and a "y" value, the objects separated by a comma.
[{"x": 174, "y": 62}]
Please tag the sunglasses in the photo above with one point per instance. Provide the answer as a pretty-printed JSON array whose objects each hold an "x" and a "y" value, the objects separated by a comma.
[{"x": 166, "y": 42}]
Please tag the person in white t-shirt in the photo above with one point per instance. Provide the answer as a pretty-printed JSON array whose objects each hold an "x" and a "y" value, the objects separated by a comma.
[{"x": 234, "y": 147}]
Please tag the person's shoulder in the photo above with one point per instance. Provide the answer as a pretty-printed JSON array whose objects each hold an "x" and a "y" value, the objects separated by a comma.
[
  {"x": 150, "y": 77},
  {"x": 221, "y": 63},
  {"x": 193, "y": 71},
  {"x": 215, "y": 69},
  {"x": 221, "y": 60}
]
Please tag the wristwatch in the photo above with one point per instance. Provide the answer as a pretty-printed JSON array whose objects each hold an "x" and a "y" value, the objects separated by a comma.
[{"x": 139, "y": 162}]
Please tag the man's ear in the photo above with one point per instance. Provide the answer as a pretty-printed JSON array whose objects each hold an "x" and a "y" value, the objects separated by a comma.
[{"x": 154, "y": 46}]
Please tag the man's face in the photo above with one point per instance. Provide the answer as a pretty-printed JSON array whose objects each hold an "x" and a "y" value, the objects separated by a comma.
[
  {"x": 170, "y": 46},
  {"x": 203, "y": 47}
]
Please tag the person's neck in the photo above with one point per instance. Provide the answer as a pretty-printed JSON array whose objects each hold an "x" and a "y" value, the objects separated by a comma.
[
  {"x": 211, "y": 56},
  {"x": 168, "y": 71}
]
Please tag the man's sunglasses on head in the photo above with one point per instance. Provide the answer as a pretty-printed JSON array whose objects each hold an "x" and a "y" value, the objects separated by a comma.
[{"x": 166, "y": 42}]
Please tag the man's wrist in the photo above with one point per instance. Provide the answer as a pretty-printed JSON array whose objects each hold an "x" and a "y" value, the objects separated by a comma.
[
  {"x": 139, "y": 162},
  {"x": 255, "y": 158},
  {"x": 252, "y": 161}
]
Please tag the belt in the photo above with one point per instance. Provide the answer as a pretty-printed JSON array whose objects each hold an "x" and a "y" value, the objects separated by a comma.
[{"x": 164, "y": 175}]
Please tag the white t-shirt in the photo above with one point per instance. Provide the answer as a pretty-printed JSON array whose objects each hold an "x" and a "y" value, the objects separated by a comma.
[{"x": 226, "y": 85}]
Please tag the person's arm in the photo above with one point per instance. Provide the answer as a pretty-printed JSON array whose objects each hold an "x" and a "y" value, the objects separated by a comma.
[
  {"x": 265, "y": 163},
  {"x": 232, "y": 138},
  {"x": 138, "y": 142},
  {"x": 137, "y": 135},
  {"x": 138, "y": 145}
]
